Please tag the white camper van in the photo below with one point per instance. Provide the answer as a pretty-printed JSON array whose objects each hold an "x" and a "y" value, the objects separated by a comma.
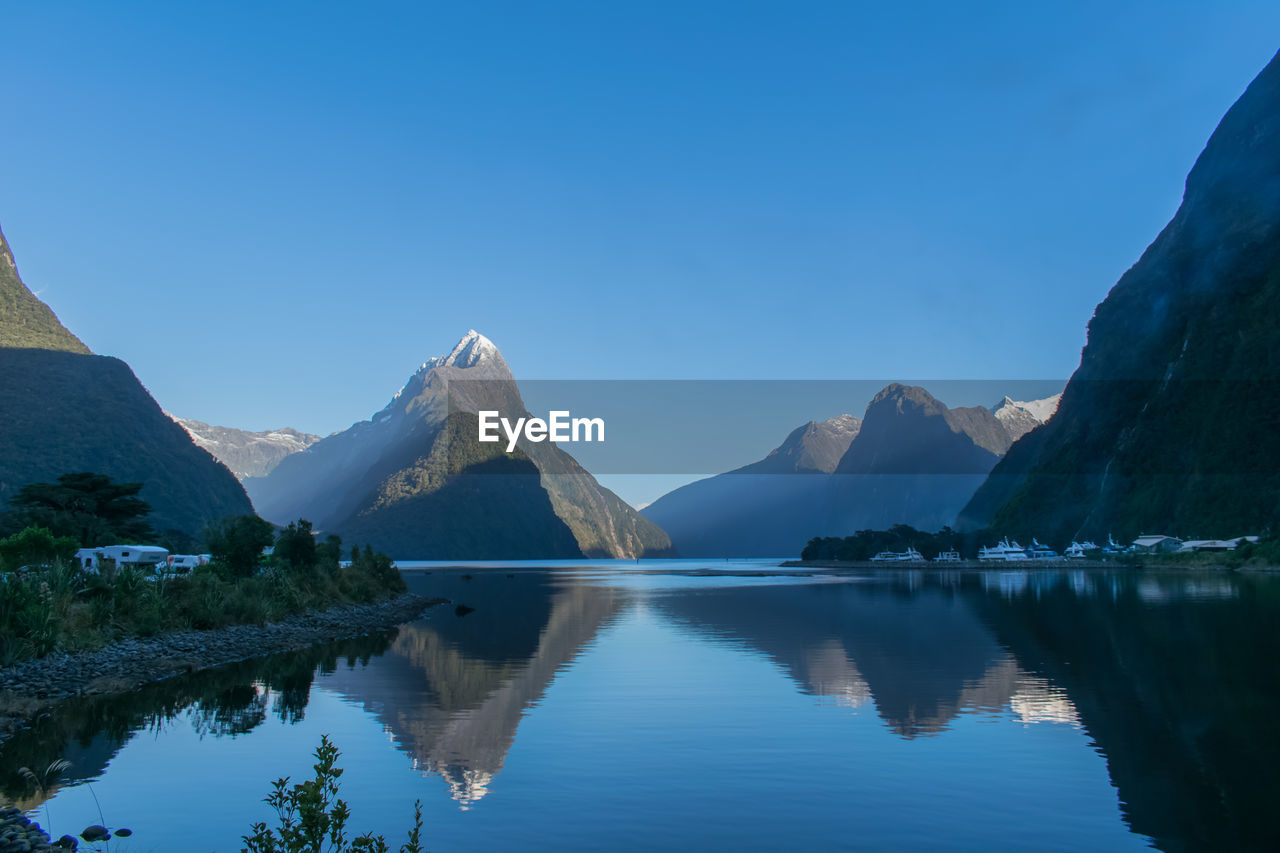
[
  {"x": 142, "y": 556},
  {"x": 182, "y": 564}
]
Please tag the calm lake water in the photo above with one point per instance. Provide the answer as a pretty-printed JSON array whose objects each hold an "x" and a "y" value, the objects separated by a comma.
[{"x": 712, "y": 706}]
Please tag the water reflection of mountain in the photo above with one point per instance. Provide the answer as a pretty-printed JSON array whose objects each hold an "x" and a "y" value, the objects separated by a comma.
[
  {"x": 453, "y": 689},
  {"x": 1175, "y": 680},
  {"x": 229, "y": 700},
  {"x": 921, "y": 655}
]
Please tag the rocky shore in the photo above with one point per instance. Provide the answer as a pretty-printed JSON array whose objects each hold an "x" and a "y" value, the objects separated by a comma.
[
  {"x": 19, "y": 834},
  {"x": 32, "y": 687}
]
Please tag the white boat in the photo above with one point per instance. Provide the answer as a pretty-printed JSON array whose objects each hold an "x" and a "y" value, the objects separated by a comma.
[
  {"x": 1004, "y": 551},
  {"x": 1038, "y": 551},
  {"x": 911, "y": 555},
  {"x": 1112, "y": 547},
  {"x": 1078, "y": 550},
  {"x": 947, "y": 557}
]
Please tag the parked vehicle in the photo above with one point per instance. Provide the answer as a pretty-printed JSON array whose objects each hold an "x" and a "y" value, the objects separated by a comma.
[
  {"x": 181, "y": 564},
  {"x": 143, "y": 556}
]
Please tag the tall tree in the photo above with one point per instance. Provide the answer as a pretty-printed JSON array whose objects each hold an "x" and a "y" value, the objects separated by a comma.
[
  {"x": 88, "y": 507},
  {"x": 237, "y": 542}
]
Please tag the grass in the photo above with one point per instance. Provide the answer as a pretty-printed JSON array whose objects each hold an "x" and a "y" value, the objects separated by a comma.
[{"x": 63, "y": 608}]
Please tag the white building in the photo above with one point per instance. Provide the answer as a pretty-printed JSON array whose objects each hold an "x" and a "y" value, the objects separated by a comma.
[
  {"x": 1155, "y": 544},
  {"x": 1192, "y": 545}
]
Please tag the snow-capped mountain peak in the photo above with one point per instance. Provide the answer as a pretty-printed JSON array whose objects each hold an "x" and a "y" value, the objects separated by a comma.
[
  {"x": 1041, "y": 410},
  {"x": 1019, "y": 417},
  {"x": 473, "y": 349}
]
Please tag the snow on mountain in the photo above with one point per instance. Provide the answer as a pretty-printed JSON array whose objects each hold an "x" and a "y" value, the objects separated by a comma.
[
  {"x": 246, "y": 454},
  {"x": 1019, "y": 417},
  {"x": 468, "y": 352},
  {"x": 369, "y": 480},
  {"x": 472, "y": 350}
]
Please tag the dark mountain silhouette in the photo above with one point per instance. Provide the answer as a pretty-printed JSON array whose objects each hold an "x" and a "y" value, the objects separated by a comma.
[
  {"x": 64, "y": 410},
  {"x": 1169, "y": 423}
]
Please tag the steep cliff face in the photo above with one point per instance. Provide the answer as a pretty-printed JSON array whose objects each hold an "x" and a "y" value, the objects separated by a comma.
[
  {"x": 64, "y": 410},
  {"x": 61, "y": 412},
  {"x": 388, "y": 480},
  {"x": 1170, "y": 421},
  {"x": 25, "y": 321}
]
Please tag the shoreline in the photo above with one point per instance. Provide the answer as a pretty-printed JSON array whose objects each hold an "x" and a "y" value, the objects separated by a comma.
[
  {"x": 33, "y": 687},
  {"x": 951, "y": 566},
  {"x": 966, "y": 565}
]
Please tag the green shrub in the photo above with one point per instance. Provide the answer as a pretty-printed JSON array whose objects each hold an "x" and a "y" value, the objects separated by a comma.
[
  {"x": 237, "y": 542},
  {"x": 312, "y": 818},
  {"x": 295, "y": 549},
  {"x": 36, "y": 546},
  {"x": 62, "y": 606}
]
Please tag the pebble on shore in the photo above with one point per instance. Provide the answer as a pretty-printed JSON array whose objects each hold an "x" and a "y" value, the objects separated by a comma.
[
  {"x": 32, "y": 687},
  {"x": 18, "y": 834}
]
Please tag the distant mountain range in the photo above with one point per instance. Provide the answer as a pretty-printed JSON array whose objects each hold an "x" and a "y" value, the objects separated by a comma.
[
  {"x": 414, "y": 481},
  {"x": 1169, "y": 423},
  {"x": 909, "y": 459},
  {"x": 65, "y": 410},
  {"x": 247, "y": 454}
]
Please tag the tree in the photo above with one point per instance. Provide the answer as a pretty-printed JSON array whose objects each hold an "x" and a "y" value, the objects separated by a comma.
[
  {"x": 329, "y": 553},
  {"x": 237, "y": 542},
  {"x": 35, "y": 546},
  {"x": 296, "y": 547},
  {"x": 87, "y": 507}
]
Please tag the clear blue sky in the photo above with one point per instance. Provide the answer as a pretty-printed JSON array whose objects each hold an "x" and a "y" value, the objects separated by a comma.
[{"x": 274, "y": 212}]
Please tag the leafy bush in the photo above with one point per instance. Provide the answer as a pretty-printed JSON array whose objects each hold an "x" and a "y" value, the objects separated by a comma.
[
  {"x": 296, "y": 547},
  {"x": 237, "y": 542},
  {"x": 63, "y": 606},
  {"x": 313, "y": 819},
  {"x": 35, "y": 546}
]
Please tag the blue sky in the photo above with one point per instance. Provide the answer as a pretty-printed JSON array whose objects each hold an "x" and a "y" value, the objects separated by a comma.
[{"x": 275, "y": 212}]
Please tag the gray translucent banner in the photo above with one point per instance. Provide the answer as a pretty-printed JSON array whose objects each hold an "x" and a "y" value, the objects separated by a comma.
[{"x": 699, "y": 427}]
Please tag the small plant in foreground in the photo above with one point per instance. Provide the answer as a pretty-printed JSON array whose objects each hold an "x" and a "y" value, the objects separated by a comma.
[
  {"x": 313, "y": 819},
  {"x": 44, "y": 784}
]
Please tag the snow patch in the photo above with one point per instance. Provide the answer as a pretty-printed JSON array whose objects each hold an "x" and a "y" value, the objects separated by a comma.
[{"x": 1041, "y": 410}]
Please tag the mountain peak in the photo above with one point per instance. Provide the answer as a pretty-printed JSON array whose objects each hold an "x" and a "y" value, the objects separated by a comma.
[
  {"x": 1039, "y": 410},
  {"x": 904, "y": 398},
  {"x": 471, "y": 350},
  {"x": 815, "y": 446},
  {"x": 25, "y": 321}
]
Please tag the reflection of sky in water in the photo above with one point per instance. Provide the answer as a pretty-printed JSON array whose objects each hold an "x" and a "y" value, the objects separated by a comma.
[{"x": 650, "y": 708}]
